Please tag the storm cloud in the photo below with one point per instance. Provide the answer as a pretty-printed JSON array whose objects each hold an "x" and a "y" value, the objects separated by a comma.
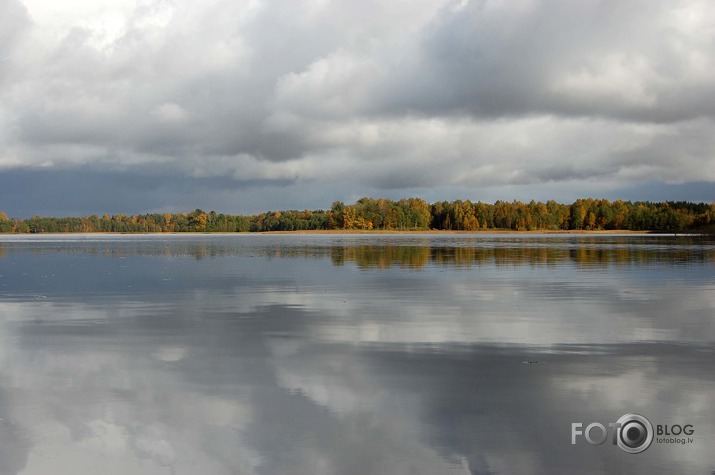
[{"x": 295, "y": 104}]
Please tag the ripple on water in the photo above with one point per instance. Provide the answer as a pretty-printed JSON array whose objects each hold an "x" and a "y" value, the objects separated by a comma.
[{"x": 20, "y": 297}]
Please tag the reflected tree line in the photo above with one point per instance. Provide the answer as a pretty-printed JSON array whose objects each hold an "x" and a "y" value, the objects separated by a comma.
[
  {"x": 404, "y": 214},
  {"x": 384, "y": 257},
  {"x": 510, "y": 253}
]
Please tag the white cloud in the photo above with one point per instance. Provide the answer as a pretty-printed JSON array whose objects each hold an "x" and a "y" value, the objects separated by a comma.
[{"x": 169, "y": 112}]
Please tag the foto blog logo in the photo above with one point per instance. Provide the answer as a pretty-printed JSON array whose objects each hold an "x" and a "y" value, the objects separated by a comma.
[{"x": 633, "y": 433}]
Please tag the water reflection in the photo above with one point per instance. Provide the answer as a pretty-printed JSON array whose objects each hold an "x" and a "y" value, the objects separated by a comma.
[
  {"x": 383, "y": 257},
  {"x": 384, "y": 251},
  {"x": 257, "y": 363}
]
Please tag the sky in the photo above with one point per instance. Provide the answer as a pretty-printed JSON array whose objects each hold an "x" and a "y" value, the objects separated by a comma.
[{"x": 247, "y": 106}]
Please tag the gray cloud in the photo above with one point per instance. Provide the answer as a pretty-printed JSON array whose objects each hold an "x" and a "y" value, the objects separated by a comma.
[
  {"x": 363, "y": 97},
  {"x": 612, "y": 59}
]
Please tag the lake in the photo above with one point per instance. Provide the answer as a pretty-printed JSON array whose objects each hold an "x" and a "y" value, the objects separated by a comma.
[{"x": 354, "y": 354}]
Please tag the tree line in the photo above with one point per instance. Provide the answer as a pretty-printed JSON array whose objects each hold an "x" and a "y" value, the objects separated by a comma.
[{"x": 404, "y": 214}]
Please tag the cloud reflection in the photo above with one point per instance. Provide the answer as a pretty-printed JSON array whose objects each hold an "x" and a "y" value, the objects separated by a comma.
[{"x": 264, "y": 363}]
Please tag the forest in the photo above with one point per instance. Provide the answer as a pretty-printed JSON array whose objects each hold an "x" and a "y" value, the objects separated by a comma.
[{"x": 403, "y": 214}]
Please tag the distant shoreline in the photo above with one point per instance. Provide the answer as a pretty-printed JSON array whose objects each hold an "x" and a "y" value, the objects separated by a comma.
[
  {"x": 441, "y": 231},
  {"x": 363, "y": 232},
  {"x": 407, "y": 215}
]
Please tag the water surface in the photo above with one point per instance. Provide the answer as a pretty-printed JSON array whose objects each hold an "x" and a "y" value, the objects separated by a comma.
[{"x": 351, "y": 354}]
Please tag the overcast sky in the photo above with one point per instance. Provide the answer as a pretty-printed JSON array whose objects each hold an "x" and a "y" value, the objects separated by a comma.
[{"x": 246, "y": 106}]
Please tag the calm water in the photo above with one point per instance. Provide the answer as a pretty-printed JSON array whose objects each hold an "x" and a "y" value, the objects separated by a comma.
[{"x": 331, "y": 354}]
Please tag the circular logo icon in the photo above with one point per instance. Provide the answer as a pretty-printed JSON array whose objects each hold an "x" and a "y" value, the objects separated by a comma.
[{"x": 634, "y": 434}]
